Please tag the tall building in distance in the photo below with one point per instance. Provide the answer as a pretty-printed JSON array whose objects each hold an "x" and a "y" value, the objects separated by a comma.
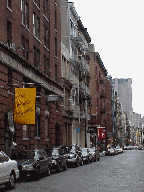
[{"x": 124, "y": 89}]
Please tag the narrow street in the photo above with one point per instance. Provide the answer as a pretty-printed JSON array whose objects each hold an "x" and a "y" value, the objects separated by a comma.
[{"x": 123, "y": 172}]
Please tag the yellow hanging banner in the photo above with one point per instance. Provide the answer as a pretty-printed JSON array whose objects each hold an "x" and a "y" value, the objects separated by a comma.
[{"x": 24, "y": 112}]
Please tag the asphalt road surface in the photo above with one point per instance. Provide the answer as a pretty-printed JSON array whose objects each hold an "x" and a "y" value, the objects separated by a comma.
[{"x": 123, "y": 172}]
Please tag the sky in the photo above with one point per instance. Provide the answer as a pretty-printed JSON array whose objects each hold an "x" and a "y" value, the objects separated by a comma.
[{"x": 116, "y": 28}]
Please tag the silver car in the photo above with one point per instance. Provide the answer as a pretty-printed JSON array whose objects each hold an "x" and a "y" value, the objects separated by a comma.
[
  {"x": 87, "y": 155},
  {"x": 8, "y": 171},
  {"x": 75, "y": 155}
]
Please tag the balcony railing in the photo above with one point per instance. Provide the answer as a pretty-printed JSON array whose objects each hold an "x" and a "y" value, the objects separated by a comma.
[
  {"x": 84, "y": 87},
  {"x": 83, "y": 63},
  {"x": 76, "y": 40}
]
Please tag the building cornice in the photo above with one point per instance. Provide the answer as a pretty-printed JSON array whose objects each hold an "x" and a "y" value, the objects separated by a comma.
[
  {"x": 11, "y": 58},
  {"x": 101, "y": 63}
]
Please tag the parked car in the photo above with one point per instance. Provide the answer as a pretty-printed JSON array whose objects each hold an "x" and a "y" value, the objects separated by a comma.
[
  {"x": 95, "y": 154},
  {"x": 129, "y": 147},
  {"x": 8, "y": 171},
  {"x": 119, "y": 149},
  {"x": 111, "y": 151},
  {"x": 140, "y": 147},
  {"x": 87, "y": 155},
  {"x": 115, "y": 151},
  {"x": 58, "y": 157},
  {"x": 74, "y": 154},
  {"x": 125, "y": 147},
  {"x": 32, "y": 162}
]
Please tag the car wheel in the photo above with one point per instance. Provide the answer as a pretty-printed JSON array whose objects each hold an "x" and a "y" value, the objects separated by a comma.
[
  {"x": 77, "y": 163},
  {"x": 37, "y": 173},
  {"x": 11, "y": 183},
  {"x": 65, "y": 167},
  {"x": 95, "y": 159},
  {"x": 81, "y": 163},
  {"x": 88, "y": 161},
  {"x": 58, "y": 169},
  {"x": 48, "y": 171}
]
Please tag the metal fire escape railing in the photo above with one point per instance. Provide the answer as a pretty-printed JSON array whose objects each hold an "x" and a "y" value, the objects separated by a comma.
[{"x": 84, "y": 87}]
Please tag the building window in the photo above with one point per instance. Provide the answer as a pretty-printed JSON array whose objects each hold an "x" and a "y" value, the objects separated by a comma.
[
  {"x": 25, "y": 131},
  {"x": 57, "y": 106},
  {"x": 46, "y": 64},
  {"x": 25, "y": 46},
  {"x": 46, "y": 36},
  {"x": 45, "y": 8},
  {"x": 56, "y": 72},
  {"x": 27, "y": 49},
  {"x": 9, "y": 80},
  {"x": 55, "y": 19},
  {"x": 36, "y": 26},
  {"x": 25, "y": 13},
  {"x": 55, "y": 46},
  {"x": 36, "y": 57},
  {"x": 9, "y": 3},
  {"x": 46, "y": 128},
  {"x": 37, "y": 133},
  {"x": 37, "y": 2},
  {"x": 9, "y": 33}
]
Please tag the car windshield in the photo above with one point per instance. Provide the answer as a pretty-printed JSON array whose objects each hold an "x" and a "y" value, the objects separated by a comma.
[
  {"x": 55, "y": 152},
  {"x": 72, "y": 150},
  {"x": 84, "y": 150},
  {"x": 91, "y": 150},
  {"x": 117, "y": 147},
  {"x": 23, "y": 155}
]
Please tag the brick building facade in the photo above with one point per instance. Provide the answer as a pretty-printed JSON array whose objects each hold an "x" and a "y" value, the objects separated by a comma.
[
  {"x": 100, "y": 91},
  {"x": 30, "y": 56}
]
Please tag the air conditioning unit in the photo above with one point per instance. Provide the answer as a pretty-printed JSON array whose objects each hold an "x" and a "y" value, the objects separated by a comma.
[{"x": 12, "y": 45}]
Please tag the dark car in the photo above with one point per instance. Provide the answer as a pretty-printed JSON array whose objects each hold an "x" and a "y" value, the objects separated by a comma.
[
  {"x": 87, "y": 155},
  {"x": 58, "y": 157},
  {"x": 74, "y": 154},
  {"x": 32, "y": 162},
  {"x": 140, "y": 147},
  {"x": 95, "y": 154}
]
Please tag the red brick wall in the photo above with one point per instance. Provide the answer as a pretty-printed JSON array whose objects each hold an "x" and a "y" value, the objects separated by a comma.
[
  {"x": 96, "y": 89},
  {"x": 6, "y": 99}
]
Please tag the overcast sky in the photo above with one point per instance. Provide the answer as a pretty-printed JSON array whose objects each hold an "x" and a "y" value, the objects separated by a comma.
[{"x": 116, "y": 28}]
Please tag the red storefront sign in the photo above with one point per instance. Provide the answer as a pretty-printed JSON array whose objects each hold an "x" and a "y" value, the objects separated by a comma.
[{"x": 101, "y": 133}]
